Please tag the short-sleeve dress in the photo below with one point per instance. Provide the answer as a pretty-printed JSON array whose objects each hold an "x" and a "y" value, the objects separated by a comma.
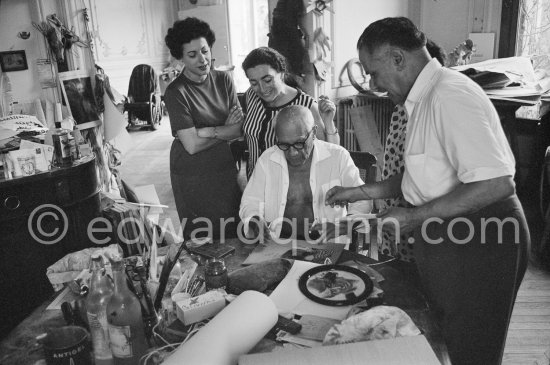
[
  {"x": 204, "y": 184},
  {"x": 258, "y": 124}
]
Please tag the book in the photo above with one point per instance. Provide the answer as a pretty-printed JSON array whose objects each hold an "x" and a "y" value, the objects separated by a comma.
[
  {"x": 488, "y": 79},
  {"x": 296, "y": 250},
  {"x": 521, "y": 95},
  {"x": 211, "y": 250}
]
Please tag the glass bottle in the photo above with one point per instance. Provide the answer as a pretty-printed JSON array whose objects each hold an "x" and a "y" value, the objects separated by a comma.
[
  {"x": 96, "y": 308},
  {"x": 215, "y": 274},
  {"x": 126, "y": 330},
  {"x": 63, "y": 146}
]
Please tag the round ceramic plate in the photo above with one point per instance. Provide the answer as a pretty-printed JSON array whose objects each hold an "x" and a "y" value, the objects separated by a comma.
[{"x": 335, "y": 285}]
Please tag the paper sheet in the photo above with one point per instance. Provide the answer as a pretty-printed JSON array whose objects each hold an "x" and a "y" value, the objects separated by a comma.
[
  {"x": 113, "y": 119},
  {"x": 231, "y": 333},
  {"x": 148, "y": 194},
  {"x": 516, "y": 68},
  {"x": 47, "y": 152},
  {"x": 402, "y": 350}
]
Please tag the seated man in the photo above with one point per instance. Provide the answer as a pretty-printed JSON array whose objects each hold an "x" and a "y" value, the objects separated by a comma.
[{"x": 286, "y": 191}]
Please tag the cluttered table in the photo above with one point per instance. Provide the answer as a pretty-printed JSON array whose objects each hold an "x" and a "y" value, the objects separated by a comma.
[{"x": 20, "y": 346}]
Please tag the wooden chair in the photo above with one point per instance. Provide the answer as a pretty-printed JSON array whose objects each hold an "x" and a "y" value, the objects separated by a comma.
[
  {"x": 543, "y": 250},
  {"x": 366, "y": 163}
]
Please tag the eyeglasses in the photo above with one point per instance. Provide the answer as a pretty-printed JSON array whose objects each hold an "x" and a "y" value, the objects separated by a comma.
[{"x": 296, "y": 145}]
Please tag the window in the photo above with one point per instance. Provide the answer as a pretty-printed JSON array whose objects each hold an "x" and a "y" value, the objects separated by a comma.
[
  {"x": 533, "y": 38},
  {"x": 525, "y": 31},
  {"x": 248, "y": 28}
]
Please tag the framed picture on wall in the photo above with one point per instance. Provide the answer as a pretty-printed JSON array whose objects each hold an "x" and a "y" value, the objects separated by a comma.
[
  {"x": 13, "y": 61},
  {"x": 78, "y": 96}
]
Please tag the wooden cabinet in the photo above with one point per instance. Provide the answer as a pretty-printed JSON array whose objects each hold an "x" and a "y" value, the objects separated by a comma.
[{"x": 42, "y": 218}]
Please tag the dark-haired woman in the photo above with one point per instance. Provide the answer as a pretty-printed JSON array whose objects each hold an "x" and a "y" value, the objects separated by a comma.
[
  {"x": 266, "y": 70},
  {"x": 204, "y": 114}
]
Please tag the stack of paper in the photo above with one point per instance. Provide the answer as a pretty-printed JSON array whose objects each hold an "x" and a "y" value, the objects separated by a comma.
[
  {"x": 129, "y": 227},
  {"x": 523, "y": 95}
]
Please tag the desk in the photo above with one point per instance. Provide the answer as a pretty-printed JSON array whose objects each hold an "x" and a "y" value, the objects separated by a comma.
[
  {"x": 523, "y": 154},
  {"x": 18, "y": 348}
]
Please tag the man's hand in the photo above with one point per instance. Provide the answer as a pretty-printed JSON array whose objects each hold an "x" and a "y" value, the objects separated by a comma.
[
  {"x": 330, "y": 230},
  {"x": 341, "y": 196},
  {"x": 235, "y": 116},
  {"x": 397, "y": 221},
  {"x": 260, "y": 229}
]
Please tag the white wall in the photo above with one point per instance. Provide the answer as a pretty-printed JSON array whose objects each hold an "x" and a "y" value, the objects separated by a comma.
[
  {"x": 128, "y": 33},
  {"x": 449, "y": 22},
  {"x": 217, "y": 17},
  {"x": 445, "y": 21},
  {"x": 135, "y": 33},
  {"x": 15, "y": 17},
  {"x": 350, "y": 18}
]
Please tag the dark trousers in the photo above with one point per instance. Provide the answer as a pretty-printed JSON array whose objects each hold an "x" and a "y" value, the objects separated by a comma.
[{"x": 473, "y": 285}]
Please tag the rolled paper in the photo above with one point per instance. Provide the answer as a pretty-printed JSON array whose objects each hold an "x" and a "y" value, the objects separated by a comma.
[
  {"x": 39, "y": 112},
  {"x": 58, "y": 113},
  {"x": 50, "y": 114},
  {"x": 231, "y": 333}
]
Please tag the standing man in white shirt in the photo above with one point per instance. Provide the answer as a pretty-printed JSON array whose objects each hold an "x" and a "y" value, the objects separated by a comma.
[
  {"x": 470, "y": 235},
  {"x": 286, "y": 192}
]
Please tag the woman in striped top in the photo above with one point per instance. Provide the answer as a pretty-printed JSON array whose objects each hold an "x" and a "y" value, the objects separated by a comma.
[{"x": 266, "y": 69}]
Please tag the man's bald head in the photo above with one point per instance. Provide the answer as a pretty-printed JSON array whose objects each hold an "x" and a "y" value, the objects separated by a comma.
[
  {"x": 295, "y": 131},
  {"x": 294, "y": 119}
]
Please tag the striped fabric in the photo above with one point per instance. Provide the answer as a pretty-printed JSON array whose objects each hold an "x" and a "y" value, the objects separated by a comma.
[{"x": 258, "y": 125}]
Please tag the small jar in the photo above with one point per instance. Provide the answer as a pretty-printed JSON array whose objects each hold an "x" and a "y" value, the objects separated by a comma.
[{"x": 215, "y": 274}]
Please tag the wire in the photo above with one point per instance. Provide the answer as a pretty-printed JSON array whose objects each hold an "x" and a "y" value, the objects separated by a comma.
[
  {"x": 159, "y": 319},
  {"x": 148, "y": 355},
  {"x": 194, "y": 329}
]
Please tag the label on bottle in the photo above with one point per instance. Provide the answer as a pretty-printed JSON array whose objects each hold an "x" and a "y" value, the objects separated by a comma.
[
  {"x": 121, "y": 341},
  {"x": 63, "y": 144},
  {"x": 99, "y": 330}
]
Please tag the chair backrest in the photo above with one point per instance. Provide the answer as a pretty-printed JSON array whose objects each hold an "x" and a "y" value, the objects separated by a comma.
[
  {"x": 143, "y": 82},
  {"x": 544, "y": 188},
  {"x": 366, "y": 163},
  {"x": 542, "y": 250}
]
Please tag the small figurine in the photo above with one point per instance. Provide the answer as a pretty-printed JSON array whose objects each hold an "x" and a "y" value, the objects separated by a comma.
[{"x": 462, "y": 54}]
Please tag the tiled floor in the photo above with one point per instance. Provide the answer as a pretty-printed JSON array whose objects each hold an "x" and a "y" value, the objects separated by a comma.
[
  {"x": 148, "y": 162},
  {"x": 529, "y": 333}
]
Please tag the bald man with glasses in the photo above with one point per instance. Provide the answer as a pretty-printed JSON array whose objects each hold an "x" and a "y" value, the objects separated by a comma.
[{"x": 285, "y": 194}]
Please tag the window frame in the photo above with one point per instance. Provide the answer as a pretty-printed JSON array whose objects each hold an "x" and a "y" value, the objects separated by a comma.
[{"x": 508, "y": 28}]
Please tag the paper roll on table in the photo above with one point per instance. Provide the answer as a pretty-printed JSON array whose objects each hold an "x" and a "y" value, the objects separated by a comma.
[{"x": 231, "y": 333}]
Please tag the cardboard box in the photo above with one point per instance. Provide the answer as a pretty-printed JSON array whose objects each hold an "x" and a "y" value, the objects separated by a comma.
[{"x": 201, "y": 307}]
